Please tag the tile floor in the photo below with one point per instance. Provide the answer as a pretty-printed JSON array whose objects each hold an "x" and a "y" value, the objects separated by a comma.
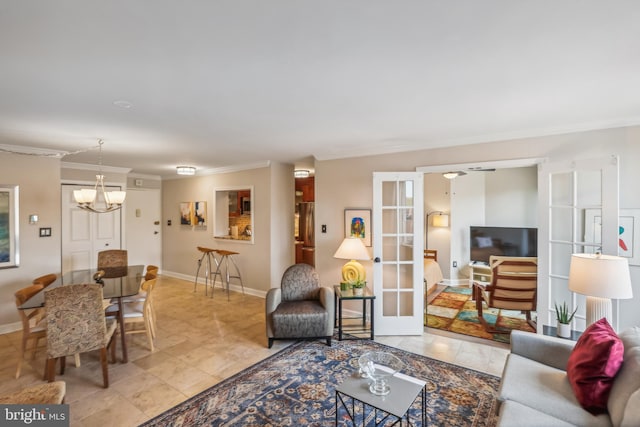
[{"x": 201, "y": 341}]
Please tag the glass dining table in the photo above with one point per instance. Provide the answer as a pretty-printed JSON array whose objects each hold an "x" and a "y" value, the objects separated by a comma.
[{"x": 117, "y": 283}]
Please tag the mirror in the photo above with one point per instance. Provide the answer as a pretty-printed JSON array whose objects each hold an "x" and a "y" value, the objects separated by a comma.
[{"x": 233, "y": 219}]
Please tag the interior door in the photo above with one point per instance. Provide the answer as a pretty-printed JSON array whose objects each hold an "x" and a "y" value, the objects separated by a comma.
[
  {"x": 573, "y": 196},
  {"x": 84, "y": 233},
  {"x": 398, "y": 224},
  {"x": 142, "y": 226}
]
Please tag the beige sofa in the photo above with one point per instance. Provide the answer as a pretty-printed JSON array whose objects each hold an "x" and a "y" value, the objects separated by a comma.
[{"x": 534, "y": 390}]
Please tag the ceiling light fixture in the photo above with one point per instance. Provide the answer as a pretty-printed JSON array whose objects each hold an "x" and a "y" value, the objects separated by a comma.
[
  {"x": 186, "y": 170},
  {"x": 452, "y": 175},
  {"x": 301, "y": 173},
  {"x": 86, "y": 197}
]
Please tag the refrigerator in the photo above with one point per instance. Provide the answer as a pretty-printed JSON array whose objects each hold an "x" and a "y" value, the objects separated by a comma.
[{"x": 306, "y": 231}]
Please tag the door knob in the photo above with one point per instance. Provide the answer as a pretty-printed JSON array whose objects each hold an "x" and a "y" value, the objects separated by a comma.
[{"x": 376, "y": 259}]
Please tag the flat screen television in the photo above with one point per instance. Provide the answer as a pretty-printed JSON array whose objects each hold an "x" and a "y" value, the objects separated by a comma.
[{"x": 506, "y": 241}]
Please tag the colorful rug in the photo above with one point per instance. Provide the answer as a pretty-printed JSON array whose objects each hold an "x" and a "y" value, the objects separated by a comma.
[
  {"x": 453, "y": 310},
  {"x": 296, "y": 387}
]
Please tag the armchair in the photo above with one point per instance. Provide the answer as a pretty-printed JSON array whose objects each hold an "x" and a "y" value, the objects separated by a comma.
[
  {"x": 300, "y": 308},
  {"x": 514, "y": 286}
]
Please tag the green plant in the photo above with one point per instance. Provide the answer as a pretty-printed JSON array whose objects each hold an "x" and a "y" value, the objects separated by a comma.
[
  {"x": 358, "y": 283},
  {"x": 562, "y": 313}
]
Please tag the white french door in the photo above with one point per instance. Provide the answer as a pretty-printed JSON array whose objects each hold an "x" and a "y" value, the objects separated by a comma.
[
  {"x": 579, "y": 214},
  {"x": 398, "y": 224}
]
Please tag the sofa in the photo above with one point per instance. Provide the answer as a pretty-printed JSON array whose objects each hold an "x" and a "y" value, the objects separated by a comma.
[{"x": 535, "y": 389}]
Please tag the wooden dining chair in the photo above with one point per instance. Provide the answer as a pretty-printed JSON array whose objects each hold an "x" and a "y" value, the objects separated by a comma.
[
  {"x": 43, "y": 394},
  {"x": 45, "y": 280},
  {"x": 76, "y": 324},
  {"x": 33, "y": 323},
  {"x": 139, "y": 313},
  {"x": 112, "y": 258}
]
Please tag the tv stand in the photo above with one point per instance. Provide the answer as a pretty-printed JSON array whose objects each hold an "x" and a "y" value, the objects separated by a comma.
[{"x": 479, "y": 272}]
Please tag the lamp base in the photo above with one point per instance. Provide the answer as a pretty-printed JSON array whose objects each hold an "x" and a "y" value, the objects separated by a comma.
[
  {"x": 597, "y": 308},
  {"x": 353, "y": 271}
]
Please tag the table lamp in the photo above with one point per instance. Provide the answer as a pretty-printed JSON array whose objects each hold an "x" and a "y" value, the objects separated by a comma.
[
  {"x": 353, "y": 249},
  {"x": 600, "y": 278}
]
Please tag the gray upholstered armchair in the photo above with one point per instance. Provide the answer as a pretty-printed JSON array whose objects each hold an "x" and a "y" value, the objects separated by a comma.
[{"x": 300, "y": 308}]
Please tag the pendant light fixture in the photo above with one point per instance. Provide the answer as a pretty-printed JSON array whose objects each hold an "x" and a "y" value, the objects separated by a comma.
[{"x": 86, "y": 197}]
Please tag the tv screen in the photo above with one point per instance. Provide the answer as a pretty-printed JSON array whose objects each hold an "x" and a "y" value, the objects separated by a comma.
[{"x": 505, "y": 241}]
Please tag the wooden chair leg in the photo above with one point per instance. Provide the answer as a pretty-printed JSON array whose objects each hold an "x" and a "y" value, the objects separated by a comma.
[
  {"x": 77, "y": 359},
  {"x": 50, "y": 370},
  {"x": 105, "y": 366},
  {"x": 63, "y": 364}
]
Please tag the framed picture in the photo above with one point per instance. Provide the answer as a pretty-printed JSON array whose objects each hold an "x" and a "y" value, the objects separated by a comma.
[
  {"x": 200, "y": 214},
  {"x": 357, "y": 223},
  {"x": 9, "y": 223},
  {"x": 186, "y": 213},
  {"x": 628, "y": 232}
]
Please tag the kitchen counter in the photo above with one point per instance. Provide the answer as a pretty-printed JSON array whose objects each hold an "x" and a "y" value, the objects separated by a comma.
[{"x": 240, "y": 237}]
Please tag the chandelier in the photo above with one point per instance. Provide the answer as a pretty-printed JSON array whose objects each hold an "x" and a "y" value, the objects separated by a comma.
[{"x": 86, "y": 197}]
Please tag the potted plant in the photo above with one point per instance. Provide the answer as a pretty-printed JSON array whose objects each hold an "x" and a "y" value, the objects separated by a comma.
[
  {"x": 564, "y": 319},
  {"x": 358, "y": 287},
  {"x": 345, "y": 286}
]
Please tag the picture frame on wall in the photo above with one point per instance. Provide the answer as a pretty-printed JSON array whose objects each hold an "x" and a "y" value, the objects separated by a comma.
[
  {"x": 357, "y": 223},
  {"x": 200, "y": 214},
  {"x": 9, "y": 224},
  {"x": 186, "y": 213},
  {"x": 628, "y": 232}
]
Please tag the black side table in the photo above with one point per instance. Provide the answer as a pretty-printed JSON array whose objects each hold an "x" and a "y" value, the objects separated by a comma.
[{"x": 355, "y": 328}]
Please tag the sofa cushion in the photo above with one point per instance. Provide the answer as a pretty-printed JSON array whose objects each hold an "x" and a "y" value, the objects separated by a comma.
[
  {"x": 297, "y": 319},
  {"x": 593, "y": 364},
  {"x": 624, "y": 399},
  {"x": 545, "y": 389},
  {"x": 516, "y": 414}
]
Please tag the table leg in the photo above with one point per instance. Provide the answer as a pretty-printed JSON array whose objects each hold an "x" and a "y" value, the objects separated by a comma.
[
  {"x": 339, "y": 319},
  {"x": 125, "y": 359},
  {"x": 371, "y": 307}
]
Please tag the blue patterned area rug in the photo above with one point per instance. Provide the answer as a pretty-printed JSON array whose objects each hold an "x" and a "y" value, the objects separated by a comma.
[{"x": 296, "y": 387}]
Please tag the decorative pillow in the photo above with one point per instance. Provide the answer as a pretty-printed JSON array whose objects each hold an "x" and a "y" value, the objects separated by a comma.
[
  {"x": 593, "y": 364},
  {"x": 484, "y": 242}
]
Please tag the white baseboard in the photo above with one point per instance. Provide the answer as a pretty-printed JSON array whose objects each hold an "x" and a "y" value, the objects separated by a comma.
[
  {"x": 232, "y": 286},
  {"x": 10, "y": 327}
]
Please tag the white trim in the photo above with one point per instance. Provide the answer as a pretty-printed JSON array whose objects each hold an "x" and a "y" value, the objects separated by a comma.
[
  {"x": 223, "y": 169},
  {"x": 10, "y": 327},
  {"x": 89, "y": 167},
  {"x": 232, "y": 286},
  {"x": 497, "y": 164}
]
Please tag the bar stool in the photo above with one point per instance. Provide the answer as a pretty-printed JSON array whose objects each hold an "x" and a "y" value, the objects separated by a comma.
[
  {"x": 209, "y": 258},
  {"x": 225, "y": 256}
]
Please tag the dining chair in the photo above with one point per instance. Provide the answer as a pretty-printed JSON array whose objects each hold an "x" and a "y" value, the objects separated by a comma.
[
  {"x": 43, "y": 394},
  {"x": 33, "y": 323},
  {"x": 514, "y": 286},
  {"x": 139, "y": 313},
  {"x": 76, "y": 324},
  {"x": 112, "y": 258},
  {"x": 45, "y": 280}
]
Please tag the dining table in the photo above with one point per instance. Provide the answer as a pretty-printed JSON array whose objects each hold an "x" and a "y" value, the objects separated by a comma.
[{"x": 117, "y": 283}]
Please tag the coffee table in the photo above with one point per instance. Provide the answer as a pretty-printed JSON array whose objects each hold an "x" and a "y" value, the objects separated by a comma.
[{"x": 354, "y": 392}]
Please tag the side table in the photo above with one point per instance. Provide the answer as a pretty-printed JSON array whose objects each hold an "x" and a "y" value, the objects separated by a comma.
[
  {"x": 404, "y": 391},
  {"x": 353, "y": 329}
]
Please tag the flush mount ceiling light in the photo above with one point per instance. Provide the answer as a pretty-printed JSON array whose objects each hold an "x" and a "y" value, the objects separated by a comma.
[
  {"x": 452, "y": 175},
  {"x": 301, "y": 173},
  {"x": 186, "y": 170},
  {"x": 86, "y": 197}
]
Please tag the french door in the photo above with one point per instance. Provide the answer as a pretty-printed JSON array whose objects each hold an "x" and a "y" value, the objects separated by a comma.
[{"x": 398, "y": 224}]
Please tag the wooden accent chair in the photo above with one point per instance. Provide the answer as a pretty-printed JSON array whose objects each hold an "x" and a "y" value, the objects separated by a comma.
[
  {"x": 514, "y": 286},
  {"x": 76, "y": 324},
  {"x": 45, "y": 280},
  {"x": 33, "y": 324},
  {"x": 300, "y": 308}
]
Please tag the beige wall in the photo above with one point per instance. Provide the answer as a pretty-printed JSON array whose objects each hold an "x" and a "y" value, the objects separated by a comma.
[
  {"x": 348, "y": 183},
  {"x": 39, "y": 181},
  {"x": 261, "y": 264}
]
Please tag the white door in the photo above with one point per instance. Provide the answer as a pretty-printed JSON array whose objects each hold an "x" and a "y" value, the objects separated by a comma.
[
  {"x": 579, "y": 214},
  {"x": 398, "y": 224},
  {"x": 142, "y": 226},
  {"x": 84, "y": 233}
]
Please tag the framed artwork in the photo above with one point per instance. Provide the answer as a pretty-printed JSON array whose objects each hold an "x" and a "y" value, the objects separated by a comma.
[
  {"x": 9, "y": 223},
  {"x": 357, "y": 223},
  {"x": 628, "y": 232},
  {"x": 186, "y": 213},
  {"x": 200, "y": 214}
]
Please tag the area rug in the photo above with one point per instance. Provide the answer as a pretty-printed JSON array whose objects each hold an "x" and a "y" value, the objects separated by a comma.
[
  {"x": 453, "y": 310},
  {"x": 296, "y": 387}
]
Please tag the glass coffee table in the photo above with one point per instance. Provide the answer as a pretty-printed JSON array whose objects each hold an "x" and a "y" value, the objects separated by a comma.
[{"x": 353, "y": 394}]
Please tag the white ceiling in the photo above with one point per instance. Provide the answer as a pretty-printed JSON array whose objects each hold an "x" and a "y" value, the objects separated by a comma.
[{"x": 225, "y": 83}]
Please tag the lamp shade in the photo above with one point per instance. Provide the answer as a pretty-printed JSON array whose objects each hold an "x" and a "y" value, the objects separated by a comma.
[
  {"x": 602, "y": 276},
  {"x": 441, "y": 220},
  {"x": 352, "y": 248}
]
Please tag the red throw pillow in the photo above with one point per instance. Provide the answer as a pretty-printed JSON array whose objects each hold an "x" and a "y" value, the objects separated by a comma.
[{"x": 593, "y": 364}]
